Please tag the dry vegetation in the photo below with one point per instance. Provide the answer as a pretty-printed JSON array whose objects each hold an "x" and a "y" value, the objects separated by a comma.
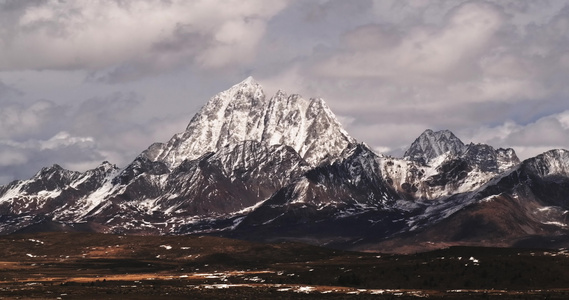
[{"x": 97, "y": 266}]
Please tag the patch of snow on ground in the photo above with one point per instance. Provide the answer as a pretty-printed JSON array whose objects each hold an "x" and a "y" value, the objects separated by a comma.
[
  {"x": 559, "y": 224},
  {"x": 250, "y": 208},
  {"x": 488, "y": 199},
  {"x": 305, "y": 289},
  {"x": 255, "y": 279}
]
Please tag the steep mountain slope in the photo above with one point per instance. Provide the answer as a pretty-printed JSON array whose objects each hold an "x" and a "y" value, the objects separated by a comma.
[
  {"x": 366, "y": 201},
  {"x": 334, "y": 202}
]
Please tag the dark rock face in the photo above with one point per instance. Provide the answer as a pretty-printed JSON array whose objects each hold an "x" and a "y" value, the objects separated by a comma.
[
  {"x": 489, "y": 160},
  {"x": 450, "y": 171},
  {"x": 230, "y": 180},
  {"x": 335, "y": 201},
  {"x": 483, "y": 156},
  {"x": 506, "y": 158}
]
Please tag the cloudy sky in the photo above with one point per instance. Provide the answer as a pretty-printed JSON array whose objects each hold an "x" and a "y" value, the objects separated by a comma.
[{"x": 86, "y": 81}]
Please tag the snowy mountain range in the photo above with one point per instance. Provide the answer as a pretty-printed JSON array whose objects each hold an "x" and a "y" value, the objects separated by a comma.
[{"x": 283, "y": 168}]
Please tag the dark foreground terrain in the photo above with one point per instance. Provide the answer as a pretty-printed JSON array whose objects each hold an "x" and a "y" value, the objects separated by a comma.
[{"x": 98, "y": 266}]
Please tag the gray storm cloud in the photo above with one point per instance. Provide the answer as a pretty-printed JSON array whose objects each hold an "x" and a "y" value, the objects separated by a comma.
[{"x": 87, "y": 81}]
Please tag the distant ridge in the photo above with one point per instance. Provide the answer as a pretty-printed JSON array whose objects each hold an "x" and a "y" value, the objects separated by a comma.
[{"x": 283, "y": 168}]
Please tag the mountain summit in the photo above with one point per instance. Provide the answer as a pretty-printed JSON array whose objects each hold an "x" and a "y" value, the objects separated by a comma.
[
  {"x": 243, "y": 113},
  {"x": 431, "y": 144}
]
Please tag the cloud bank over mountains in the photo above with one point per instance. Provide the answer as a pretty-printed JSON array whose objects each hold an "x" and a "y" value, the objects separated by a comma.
[{"x": 87, "y": 81}]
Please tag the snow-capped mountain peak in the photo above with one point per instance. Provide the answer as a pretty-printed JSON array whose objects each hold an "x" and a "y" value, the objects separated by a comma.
[
  {"x": 432, "y": 144},
  {"x": 243, "y": 113},
  {"x": 552, "y": 162}
]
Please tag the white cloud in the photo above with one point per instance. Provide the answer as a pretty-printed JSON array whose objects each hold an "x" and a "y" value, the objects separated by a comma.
[
  {"x": 77, "y": 137},
  {"x": 420, "y": 52},
  {"x": 153, "y": 34},
  {"x": 563, "y": 119},
  {"x": 474, "y": 54},
  {"x": 491, "y": 71},
  {"x": 20, "y": 160},
  {"x": 546, "y": 133},
  {"x": 21, "y": 121},
  {"x": 64, "y": 139}
]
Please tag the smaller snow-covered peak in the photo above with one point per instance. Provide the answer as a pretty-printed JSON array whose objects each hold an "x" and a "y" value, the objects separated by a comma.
[
  {"x": 488, "y": 159},
  {"x": 552, "y": 162},
  {"x": 50, "y": 171},
  {"x": 306, "y": 125},
  {"x": 431, "y": 144},
  {"x": 54, "y": 167},
  {"x": 106, "y": 166}
]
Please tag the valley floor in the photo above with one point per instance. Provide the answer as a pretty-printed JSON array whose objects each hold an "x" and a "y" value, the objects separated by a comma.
[{"x": 97, "y": 266}]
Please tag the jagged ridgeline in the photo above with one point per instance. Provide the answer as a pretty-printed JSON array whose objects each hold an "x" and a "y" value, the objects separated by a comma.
[{"x": 283, "y": 168}]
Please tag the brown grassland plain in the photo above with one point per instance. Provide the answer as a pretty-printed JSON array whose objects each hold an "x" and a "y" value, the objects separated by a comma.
[{"x": 100, "y": 266}]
